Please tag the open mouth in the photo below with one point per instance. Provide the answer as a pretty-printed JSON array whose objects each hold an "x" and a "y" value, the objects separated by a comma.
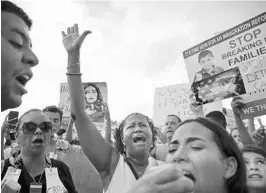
[
  {"x": 38, "y": 141},
  {"x": 255, "y": 176},
  {"x": 170, "y": 131},
  {"x": 139, "y": 139},
  {"x": 189, "y": 175},
  {"x": 23, "y": 79}
]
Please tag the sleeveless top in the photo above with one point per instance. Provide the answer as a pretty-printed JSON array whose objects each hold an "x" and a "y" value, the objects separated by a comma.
[{"x": 124, "y": 176}]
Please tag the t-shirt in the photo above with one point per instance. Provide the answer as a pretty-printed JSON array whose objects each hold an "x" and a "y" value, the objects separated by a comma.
[{"x": 25, "y": 179}]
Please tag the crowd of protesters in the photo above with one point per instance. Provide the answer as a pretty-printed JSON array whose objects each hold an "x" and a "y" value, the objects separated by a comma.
[{"x": 196, "y": 155}]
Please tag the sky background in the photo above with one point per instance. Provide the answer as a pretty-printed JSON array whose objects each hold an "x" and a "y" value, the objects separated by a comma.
[{"x": 134, "y": 46}]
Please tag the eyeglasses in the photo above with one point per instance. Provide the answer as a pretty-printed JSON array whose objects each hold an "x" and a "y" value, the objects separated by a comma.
[{"x": 30, "y": 127}]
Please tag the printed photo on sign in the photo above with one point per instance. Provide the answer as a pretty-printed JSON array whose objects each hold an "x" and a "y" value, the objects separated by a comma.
[
  {"x": 95, "y": 105},
  {"x": 95, "y": 99},
  {"x": 221, "y": 86},
  {"x": 208, "y": 66},
  {"x": 242, "y": 46}
]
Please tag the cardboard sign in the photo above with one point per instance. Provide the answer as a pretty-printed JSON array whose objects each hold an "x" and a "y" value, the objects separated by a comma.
[
  {"x": 229, "y": 64},
  {"x": 95, "y": 97},
  {"x": 175, "y": 100}
]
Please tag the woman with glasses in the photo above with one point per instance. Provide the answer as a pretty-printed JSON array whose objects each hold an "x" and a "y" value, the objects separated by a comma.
[{"x": 31, "y": 169}]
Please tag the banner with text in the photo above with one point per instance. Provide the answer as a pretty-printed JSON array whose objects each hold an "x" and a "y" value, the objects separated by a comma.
[
  {"x": 95, "y": 97},
  {"x": 253, "y": 109},
  {"x": 175, "y": 100},
  {"x": 229, "y": 64}
]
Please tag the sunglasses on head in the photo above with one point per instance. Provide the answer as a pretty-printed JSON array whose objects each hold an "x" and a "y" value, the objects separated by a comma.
[{"x": 30, "y": 127}]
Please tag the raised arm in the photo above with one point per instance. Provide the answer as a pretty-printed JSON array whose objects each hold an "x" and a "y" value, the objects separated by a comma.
[
  {"x": 251, "y": 125},
  {"x": 237, "y": 104},
  {"x": 104, "y": 155},
  {"x": 108, "y": 128}
]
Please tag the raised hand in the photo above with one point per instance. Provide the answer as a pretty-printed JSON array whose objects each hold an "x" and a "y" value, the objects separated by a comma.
[
  {"x": 72, "y": 40},
  {"x": 237, "y": 103},
  {"x": 259, "y": 136}
]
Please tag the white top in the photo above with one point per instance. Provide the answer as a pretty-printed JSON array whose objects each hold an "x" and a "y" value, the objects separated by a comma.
[{"x": 122, "y": 179}]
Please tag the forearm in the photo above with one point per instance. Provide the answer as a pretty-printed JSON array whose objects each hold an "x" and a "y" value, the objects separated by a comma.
[
  {"x": 108, "y": 130},
  {"x": 87, "y": 132},
  {"x": 244, "y": 135},
  {"x": 251, "y": 126},
  {"x": 75, "y": 84}
]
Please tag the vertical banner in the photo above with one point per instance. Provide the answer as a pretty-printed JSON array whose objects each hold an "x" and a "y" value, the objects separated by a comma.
[
  {"x": 95, "y": 98},
  {"x": 175, "y": 100},
  {"x": 229, "y": 64}
]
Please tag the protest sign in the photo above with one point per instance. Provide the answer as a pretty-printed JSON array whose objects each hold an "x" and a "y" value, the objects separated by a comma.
[
  {"x": 229, "y": 64},
  {"x": 253, "y": 109},
  {"x": 175, "y": 100},
  {"x": 95, "y": 99}
]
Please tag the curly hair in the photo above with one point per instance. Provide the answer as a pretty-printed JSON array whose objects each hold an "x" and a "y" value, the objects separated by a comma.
[
  {"x": 98, "y": 104},
  {"x": 119, "y": 133}
]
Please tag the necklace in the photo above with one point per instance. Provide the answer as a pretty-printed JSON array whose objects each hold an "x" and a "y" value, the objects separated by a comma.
[
  {"x": 32, "y": 176},
  {"x": 140, "y": 173}
]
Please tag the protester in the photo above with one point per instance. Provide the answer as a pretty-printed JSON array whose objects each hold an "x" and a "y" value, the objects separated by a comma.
[
  {"x": 34, "y": 134},
  {"x": 235, "y": 134},
  {"x": 255, "y": 159},
  {"x": 56, "y": 116},
  {"x": 17, "y": 57},
  {"x": 200, "y": 144},
  {"x": 171, "y": 124},
  {"x": 218, "y": 117},
  {"x": 85, "y": 179},
  {"x": 258, "y": 137},
  {"x": 206, "y": 159},
  {"x": 136, "y": 131}
]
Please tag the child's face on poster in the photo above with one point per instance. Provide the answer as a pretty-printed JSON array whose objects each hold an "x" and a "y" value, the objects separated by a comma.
[
  {"x": 207, "y": 62},
  {"x": 91, "y": 94}
]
